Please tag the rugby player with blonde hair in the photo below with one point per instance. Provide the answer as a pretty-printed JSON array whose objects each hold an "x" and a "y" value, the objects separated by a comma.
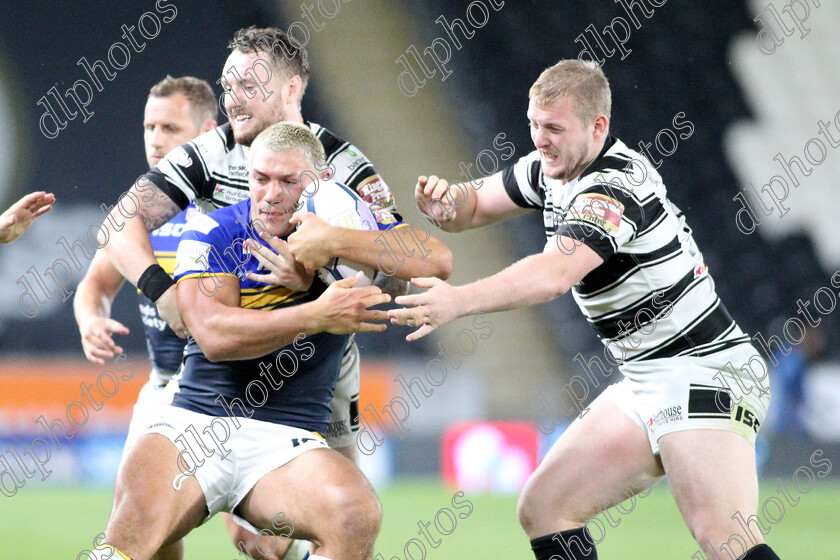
[{"x": 625, "y": 252}]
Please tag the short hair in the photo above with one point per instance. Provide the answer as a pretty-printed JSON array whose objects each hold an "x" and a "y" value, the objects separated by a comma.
[
  {"x": 198, "y": 92},
  {"x": 288, "y": 56},
  {"x": 581, "y": 80},
  {"x": 283, "y": 136}
]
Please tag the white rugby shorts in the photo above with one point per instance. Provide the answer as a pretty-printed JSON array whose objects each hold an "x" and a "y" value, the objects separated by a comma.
[
  {"x": 344, "y": 419},
  {"x": 250, "y": 451},
  {"x": 156, "y": 393},
  {"x": 689, "y": 393}
]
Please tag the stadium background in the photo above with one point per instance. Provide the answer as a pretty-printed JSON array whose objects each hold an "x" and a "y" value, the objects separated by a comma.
[{"x": 746, "y": 106}]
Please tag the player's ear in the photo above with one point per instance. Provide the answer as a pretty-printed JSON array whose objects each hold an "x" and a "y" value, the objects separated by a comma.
[
  {"x": 293, "y": 88},
  {"x": 208, "y": 126},
  {"x": 602, "y": 124}
]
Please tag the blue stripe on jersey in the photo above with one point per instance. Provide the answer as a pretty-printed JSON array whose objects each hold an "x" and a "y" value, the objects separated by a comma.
[
  {"x": 308, "y": 373},
  {"x": 164, "y": 346}
]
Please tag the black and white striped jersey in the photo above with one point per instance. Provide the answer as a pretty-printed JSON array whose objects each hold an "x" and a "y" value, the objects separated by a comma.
[
  {"x": 653, "y": 296},
  {"x": 212, "y": 172}
]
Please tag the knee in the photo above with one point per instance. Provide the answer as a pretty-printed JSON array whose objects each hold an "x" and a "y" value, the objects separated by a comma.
[
  {"x": 262, "y": 547},
  {"x": 356, "y": 513},
  {"x": 531, "y": 509},
  {"x": 525, "y": 512},
  {"x": 128, "y": 514},
  {"x": 542, "y": 509},
  {"x": 711, "y": 532}
]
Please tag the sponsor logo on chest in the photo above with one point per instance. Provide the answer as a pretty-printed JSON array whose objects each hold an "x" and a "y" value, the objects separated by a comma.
[
  {"x": 238, "y": 171},
  {"x": 229, "y": 195}
]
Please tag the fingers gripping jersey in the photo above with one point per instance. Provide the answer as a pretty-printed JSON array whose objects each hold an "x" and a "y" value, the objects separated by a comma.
[
  {"x": 212, "y": 170},
  {"x": 653, "y": 296},
  {"x": 165, "y": 348},
  {"x": 294, "y": 383}
]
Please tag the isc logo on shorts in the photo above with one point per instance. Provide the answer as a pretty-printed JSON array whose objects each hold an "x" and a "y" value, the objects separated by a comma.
[{"x": 747, "y": 417}]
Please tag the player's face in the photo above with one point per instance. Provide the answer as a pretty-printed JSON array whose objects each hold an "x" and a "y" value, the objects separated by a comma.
[
  {"x": 167, "y": 124},
  {"x": 276, "y": 181},
  {"x": 565, "y": 144},
  {"x": 249, "y": 109}
]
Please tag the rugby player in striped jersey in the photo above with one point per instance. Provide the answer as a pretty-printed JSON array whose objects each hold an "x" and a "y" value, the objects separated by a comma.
[{"x": 625, "y": 251}]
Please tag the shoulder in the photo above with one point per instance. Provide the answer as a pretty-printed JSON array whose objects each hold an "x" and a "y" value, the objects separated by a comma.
[
  {"x": 523, "y": 181},
  {"x": 337, "y": 147},
  {"x": 218, "y": 224},
  {"x": 622, "y": 172},
  {"x": 210, "y": 146}
]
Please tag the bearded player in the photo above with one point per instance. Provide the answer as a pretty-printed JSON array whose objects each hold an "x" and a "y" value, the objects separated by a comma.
[{"x": 265, "y": 77}]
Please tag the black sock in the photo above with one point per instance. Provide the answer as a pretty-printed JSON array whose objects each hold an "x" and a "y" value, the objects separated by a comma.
[
  {"x": 574, "y": 544},
  {"x": 761, "y": 552}
]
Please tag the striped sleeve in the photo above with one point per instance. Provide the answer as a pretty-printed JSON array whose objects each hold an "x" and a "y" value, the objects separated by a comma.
[
  {"x": 348, "y": 165},
  {"x": 183, "y": 174},
  {"x": 521, "y": 181}
]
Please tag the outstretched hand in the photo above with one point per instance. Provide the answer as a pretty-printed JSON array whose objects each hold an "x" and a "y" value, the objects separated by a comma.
[
  {"x": 344, "y": 309},
  {"x": 431, "y": 309},
  {"x": 97, "y": 341},
  {"x": 17, "y": 219}
]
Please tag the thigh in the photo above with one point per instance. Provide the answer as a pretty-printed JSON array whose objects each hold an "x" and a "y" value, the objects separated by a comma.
[
  {"x": 712, "y": 475},
  {"x": 316, "y": 493},
  {"x": 148, "y": 511},
  {"x": 599, "y": 456}
]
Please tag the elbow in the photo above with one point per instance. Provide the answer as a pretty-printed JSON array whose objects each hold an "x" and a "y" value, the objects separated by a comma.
[
  {"x": 216, "y": 351},
  {"x": 559, "y": 287},
  {"x": 215, "y": 347},
  {"x": 443, "y": 263}
]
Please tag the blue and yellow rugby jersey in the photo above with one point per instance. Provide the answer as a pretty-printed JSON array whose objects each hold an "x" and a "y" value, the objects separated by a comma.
[
  {"x": 165, "y": 348},
  {"x": 211, "y": 248}
]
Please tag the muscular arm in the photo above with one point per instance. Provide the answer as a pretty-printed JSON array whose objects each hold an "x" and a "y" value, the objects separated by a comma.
[
  {"x": 129, "y": 247},
  {"x": 92, "y": 309},
  {"x": 224, "y": 331},
  {"x": 464, "y": 206},
  {"x": 530, "y": 281},
  {"x": 315, "y": 242},
  {"x": 426, "y": 256},
  {"x": 535, "y": 279},
  {"x": 145, "y": 209}
]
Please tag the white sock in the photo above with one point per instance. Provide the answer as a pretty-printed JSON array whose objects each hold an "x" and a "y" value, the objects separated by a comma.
[{"x": 298, "y": 550}]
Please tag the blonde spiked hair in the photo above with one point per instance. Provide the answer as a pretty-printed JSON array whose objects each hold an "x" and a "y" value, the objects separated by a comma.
[{"x": 283, "y": 136}]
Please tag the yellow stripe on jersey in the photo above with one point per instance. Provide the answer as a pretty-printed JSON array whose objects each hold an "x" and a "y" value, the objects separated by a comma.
[
  {"x": 274, "y": 297},
  {"x": 205, "y": 275}
]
